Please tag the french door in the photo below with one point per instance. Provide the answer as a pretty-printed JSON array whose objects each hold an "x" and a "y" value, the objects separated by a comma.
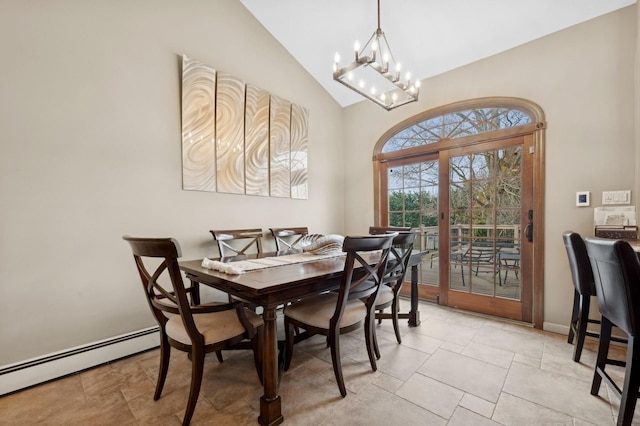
[{"x": 474, "y": 208}]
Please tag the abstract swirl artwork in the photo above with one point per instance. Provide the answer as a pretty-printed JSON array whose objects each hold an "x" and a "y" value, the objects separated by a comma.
[{"x": 240, "y": 139}]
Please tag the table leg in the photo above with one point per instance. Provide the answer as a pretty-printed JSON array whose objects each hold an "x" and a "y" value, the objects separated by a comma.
[
  {"x": 270, "y": 402},
  {"x": 414, "y": 313}
]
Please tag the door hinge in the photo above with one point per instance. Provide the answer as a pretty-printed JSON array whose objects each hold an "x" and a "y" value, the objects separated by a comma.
[{"x": 531, "y": 150}]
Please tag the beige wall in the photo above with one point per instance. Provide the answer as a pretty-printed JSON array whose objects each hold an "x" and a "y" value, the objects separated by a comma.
[
  {"x": 90, "y": 149},
  {"x": 583, "y": 78}
]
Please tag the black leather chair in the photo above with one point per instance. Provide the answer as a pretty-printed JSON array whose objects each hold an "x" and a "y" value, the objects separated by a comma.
[
  {"x": 616, "y": 272},
  {"x": 584, "y": 288}
]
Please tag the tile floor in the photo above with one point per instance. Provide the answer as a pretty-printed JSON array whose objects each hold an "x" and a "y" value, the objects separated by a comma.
[{"x": 454, "y": 369}]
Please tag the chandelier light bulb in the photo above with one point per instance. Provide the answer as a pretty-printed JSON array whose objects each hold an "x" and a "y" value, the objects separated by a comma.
[
  {"x": 356, "y": 46},
  {"x": 417, "y": 83},
  {"x": 362, "y": 84},
  {"x": 383, "y": 97},
  {"x": 350, "y": 76},
  {"x": 407, "y": 76},
  {"x": 398, "y": 67},
  {"x": 336, "y": 58},
  {"x": 373, "y": 91},
  {"x": 394, "y": 97},
  {"x": 374, "y": 46}
]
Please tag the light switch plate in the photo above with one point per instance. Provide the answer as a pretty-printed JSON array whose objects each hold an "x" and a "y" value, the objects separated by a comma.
[{"x": 616, "y": 197}]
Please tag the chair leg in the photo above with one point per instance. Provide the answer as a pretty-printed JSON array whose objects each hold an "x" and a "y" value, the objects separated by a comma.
[
  {"x": 376, "y": 348},
  {"x": 631, "y": 383},
  {"x": 165, "y": 356},
  {"x": 197, "y": 368},
  {"x": 603, "y": 353},
  {"x": 219, "y": 356},
  {"x": 288, "y": 352},
  {"x": 581, "y": 326},
  {"x": 334, "y": 339},
  {"x": 574, "y": 315},
  {"x": 380, "y": 319},
  {"x": 394, "y": 317},
  {"x": 369, "y": 337}
]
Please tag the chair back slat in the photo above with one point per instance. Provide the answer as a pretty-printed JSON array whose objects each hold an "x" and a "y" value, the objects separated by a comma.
[
  {"x": 360, "y": 279},
  {"x": 398, "y": 260},
  {"x": 234, "y": 242},
  {"x": 616, "y": 272},
  {"x": 287, "y": 238}
]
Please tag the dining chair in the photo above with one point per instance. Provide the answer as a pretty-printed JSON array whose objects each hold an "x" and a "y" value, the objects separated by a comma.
[
  {"x": 616, "y": 272},
  {"x": 351, "y": 307},
  {"x": 378, "y": 230},
  {"x": 392, "y": 280},
  {"x": 288, "y": 238},
  {"x": 584, "y": 288},
  {"x": 235, "y": 242},
  {"x": 195, "y": 329}
]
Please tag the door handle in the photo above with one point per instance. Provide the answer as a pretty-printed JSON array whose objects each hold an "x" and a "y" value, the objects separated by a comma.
[{"x": 528, "y": 231}]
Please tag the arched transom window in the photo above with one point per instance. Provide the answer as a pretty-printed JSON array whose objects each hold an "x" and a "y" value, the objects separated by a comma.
[{"x": 456, "y": 125}]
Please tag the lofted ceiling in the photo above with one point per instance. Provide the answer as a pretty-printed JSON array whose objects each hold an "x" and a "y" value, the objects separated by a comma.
[{"x": 429, "y": 37}]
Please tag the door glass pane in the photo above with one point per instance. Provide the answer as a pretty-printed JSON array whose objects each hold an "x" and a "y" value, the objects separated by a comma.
[
  {"x": 413, "y": 201},
  {"x": 484, "y": 236}
]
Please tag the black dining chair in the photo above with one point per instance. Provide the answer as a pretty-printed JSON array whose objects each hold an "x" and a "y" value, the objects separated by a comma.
[
  {"x": 195, "y": 329},
  {"x": 616, "y": 272},
  {"x": 583, "y": 289},
  {"x": 394, "y": 274},
  {"x": 351, "y": 307}
]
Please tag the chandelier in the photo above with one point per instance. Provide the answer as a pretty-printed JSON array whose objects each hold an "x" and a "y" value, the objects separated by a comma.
[{"x": 375, "y": 62}]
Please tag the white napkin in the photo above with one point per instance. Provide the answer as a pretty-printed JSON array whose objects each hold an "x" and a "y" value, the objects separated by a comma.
[{"x": 227, "y": 268}]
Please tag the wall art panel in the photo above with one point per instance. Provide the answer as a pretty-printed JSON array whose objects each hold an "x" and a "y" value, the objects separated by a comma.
[
  {"x": 280, "y": 147},
  {"x": 240, "y": 139},
  {"x": 198, "y": 126},
  {"x": 299, "y": 141},
  {"x": 230, "y": 134},
  {"x": 256, "y": 140}
]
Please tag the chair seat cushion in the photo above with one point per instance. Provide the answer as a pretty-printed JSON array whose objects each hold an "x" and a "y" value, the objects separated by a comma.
[
  {"x": 214, "y": 326},
  {"x": 317, "y": 311},
  {"x": 385, "y": 295}
]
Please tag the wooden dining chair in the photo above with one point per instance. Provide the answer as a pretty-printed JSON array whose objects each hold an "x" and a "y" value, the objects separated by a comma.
[
  {"x": 338, "y": 312},
  {"x": 395, "y": 271},
  {"x": 288, "y": 238},
  {"x": 234, "y": 242},
  {"x": 195, "y": 329},
  {"x": 378, "y": 230},
  {"x": 616, "y": 272}
]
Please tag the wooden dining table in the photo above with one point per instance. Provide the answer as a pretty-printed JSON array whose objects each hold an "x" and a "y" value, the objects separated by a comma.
[{"x": 272, "y": 287}]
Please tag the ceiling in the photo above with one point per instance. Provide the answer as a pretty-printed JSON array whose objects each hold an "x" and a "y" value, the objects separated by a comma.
[{"x": 428, "y": 37}]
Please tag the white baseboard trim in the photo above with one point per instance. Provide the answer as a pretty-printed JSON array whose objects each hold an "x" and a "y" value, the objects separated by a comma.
[
  {"x": 33, "y": 371},
  {"x": 555, "y": 328}
]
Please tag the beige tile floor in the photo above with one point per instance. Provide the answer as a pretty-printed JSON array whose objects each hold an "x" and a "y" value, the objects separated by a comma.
[{"x": 454, "y": 369}]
